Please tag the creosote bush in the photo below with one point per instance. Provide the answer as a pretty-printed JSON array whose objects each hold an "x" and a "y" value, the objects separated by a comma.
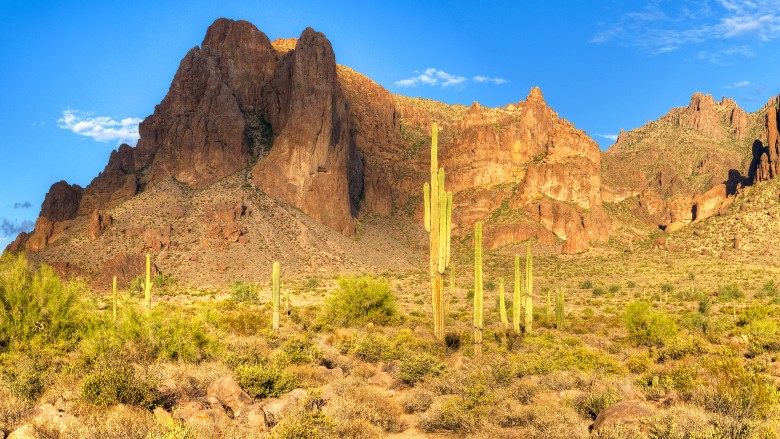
[
  {"x": 417, "y": 367},
  {"x": 359, "y": 300},
  {"x": 265, "y": 380},
  {"x": 243, "y": 292},
  {"x": 118, "y": 384},
  {"x": 646, "y": 326}
]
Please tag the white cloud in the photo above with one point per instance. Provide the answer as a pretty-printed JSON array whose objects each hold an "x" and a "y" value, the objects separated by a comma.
[
  {"x": 433, "y": 77},
  {"x": 739, "y": 84},
  {"x": 497, "y": 81},
  {"x": 612, "y": 137},
  {"x": 656, "y": 31},
  {"x": 100, "y": 128}
]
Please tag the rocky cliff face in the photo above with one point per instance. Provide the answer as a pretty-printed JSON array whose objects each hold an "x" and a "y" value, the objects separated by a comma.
[
  {"x": 516, "y": 166},
  {"x": 691, "y": 163},
  {"x": 313, "y": 158},
  {"x": 334, "y": 144}
]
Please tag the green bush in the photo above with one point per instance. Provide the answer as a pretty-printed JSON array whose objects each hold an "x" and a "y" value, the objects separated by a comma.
[
  {"x": 731, "y": 389},
  {"x": 243, "y": 292},
  {"x": 374, "y": 348},
  {"x": 265, "y": 381},
  {"x": 35, "y": 305},
  {"x": 599, "y": 291},
  {"x": 299, "y": 350},
  {"x": 163, "y": 281},
  {"x": 118, "y": 384},
  {"x": 679, "y": 347},
  {"x": 613, "y": 289},
  {"x": 769, "y": 289},
  {"x": 729, "y": 292},
  {"x": 417, "y": 367},
  {"x": 586, "y": 284},
  {"x": 360, "y": 300},
  {"x": 595, "y": 403},
  {"x": 648, "y": 327}
]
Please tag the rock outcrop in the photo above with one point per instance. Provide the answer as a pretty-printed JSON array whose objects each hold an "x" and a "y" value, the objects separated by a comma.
[
  {"x": 767, "y": 157},
  {"x": 313, "y": 158}
]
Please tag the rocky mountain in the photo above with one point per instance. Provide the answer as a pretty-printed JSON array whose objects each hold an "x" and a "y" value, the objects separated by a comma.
[
  {"x": 271, "y": 150},
  {"x": 691, "y": 163}
]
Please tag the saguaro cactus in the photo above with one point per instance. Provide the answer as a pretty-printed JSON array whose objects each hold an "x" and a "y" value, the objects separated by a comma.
[
  {"x": 516, "y": 297},
  {"x": 478, "y": 299},
  {"x": 148, "y": 282},
  {"x": 275, "y": 297},
  {"x": 113, "y": 291},
  {"x": 529, "y": 289},
  {"x": 438, "y": 218},
  {"x": 502, "y": 303},
  {"x": 559, "y": 309}
]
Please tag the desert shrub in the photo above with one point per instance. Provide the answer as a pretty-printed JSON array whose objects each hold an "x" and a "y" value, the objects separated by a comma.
[
  {"x": 679, "y": 347},
  {"x": 648, "y": 327},
  {"x": 310, "y": 424},
  {"x": 243, "y": 292},
  {"x": 360, "y": 300},
  {"x": 167, "y": 333},
  {"x": 613, "y": 289},
  {"x": 586, "y": 284},
  {"x": 631, "y": 284},
  {"x": 490, "y": 285},
  {"x": 164, "y": 281},
  {"x": 769, "y": 289},
  {"x": 137, "y": 285},
  {"x": 762, "y": 335},
  {"x": 729, "y": 292},
  {"x": 680, "y": 378},
  {"x": 374, "y": 348},
  {"x": 594, "y": 403},
  {"x": 588, "y": 313},
  {"x": 35, "y": 306},
  {"x": 368, "y": 404},
  {"x": 735, "y": 391},
  {"x": 265, "y": 380},
  {"x": 464, "y": 413},
  {"x": 298, "y": 350},
  {"x": 417, "y": 367},
  {"x": 683, "y": 422},
  {"x": 118, "y": 384},
  {"x": 25, "y": 372},
  {"x": 705, "y": 304},
  {"x": 546, "y": 354},
  {"x": 417, "y": 401},
  {"x": 667, "y": 288},
  {"x": 599, "y": 291},
  {"x": 311, "y": 283},
  {"x": 639, "y": 363}
]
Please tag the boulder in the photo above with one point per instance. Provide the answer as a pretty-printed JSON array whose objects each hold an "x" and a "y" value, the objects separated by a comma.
[
  {"x": 229, "y": 393},
  {"x": 624, "y": 412},
  {"x": 277, "y": 408},
  {"x": 126, "y": 267}
]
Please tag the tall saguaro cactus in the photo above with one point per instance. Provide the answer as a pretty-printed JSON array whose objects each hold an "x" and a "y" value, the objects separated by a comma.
[
  {"x": 559, "y": 309},
  {"x": 438, "y": 218},
  {"x": 529, "y": 290},
  {"x": 502, "y": 303},
  {"x": 113, "y": 291},
  {"x": 478, "y": 298},
  {"x": 148, "y": 283},
  {"x": 516, "y": 298},
  {"x": 275, "y": 297}
]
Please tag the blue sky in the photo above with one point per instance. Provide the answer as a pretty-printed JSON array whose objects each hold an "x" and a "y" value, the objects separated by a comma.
[{"x": 76, "y": 76}]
